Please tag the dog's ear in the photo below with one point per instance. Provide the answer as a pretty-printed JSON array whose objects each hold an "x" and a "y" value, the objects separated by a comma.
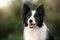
[
  {"x": 40, "y": 10},
  {"x": 26, "y": 9}
]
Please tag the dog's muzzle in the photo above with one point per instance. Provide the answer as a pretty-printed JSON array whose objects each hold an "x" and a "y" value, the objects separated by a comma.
[{"x": 30, "y": 25}]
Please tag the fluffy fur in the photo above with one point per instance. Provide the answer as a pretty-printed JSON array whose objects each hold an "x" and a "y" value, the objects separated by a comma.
[{"x": 34, "y": 27}]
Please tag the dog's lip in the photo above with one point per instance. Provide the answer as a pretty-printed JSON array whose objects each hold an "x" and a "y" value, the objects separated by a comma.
[{"x": 31, "y": 25}]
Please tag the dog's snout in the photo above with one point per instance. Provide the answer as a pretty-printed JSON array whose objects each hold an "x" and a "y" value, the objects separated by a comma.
[{"x": 30, "y": 21}]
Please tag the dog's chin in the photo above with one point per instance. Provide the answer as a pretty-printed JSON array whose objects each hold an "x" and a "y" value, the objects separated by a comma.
[{"x": 31, "y": 26}]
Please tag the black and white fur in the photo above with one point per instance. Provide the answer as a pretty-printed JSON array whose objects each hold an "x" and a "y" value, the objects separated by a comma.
[{"x": 39, "y": 30}]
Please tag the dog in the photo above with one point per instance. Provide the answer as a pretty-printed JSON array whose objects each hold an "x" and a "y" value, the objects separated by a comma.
[{"x": 34, "y": 27}]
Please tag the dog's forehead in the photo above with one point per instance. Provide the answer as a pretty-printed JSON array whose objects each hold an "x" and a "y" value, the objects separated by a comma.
[{"x": 33, "y": 12}]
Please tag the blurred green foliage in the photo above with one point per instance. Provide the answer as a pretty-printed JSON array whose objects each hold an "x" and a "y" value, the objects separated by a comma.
[
  {"x": 10, "y": 20},
  {"x": 11, "y": 39}
]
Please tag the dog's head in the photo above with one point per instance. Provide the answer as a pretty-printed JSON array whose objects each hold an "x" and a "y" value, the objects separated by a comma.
[{"x": 33, "y": 17}]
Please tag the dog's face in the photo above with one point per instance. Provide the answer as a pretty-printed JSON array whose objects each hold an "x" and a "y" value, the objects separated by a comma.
[{"x": 33, "y": 17}]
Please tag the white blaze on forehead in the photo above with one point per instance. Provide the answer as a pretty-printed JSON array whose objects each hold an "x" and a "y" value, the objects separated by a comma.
[
  {"x": 33, "y": 12},
  {"x": 32, "y": 17}
]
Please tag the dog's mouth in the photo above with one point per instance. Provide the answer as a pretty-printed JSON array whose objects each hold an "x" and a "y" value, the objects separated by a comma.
[{"x": 31, "y": 25}]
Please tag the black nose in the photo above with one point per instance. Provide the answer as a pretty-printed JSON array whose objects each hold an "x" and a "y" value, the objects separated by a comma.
[{"x": 30, "y": 21}]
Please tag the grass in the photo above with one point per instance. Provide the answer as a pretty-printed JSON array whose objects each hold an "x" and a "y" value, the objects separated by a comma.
[
  {"x": 20, "y": 38},
  {"x": 11, "y": 38}
]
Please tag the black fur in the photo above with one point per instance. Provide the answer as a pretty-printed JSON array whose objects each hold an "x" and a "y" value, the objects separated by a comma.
[
  {"x": 49, "y": 36},
  {"x": 39, "y": 15},
  {"x": 26, "y": 14}
]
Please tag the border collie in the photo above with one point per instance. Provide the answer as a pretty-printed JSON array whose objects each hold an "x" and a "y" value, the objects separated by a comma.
[{"x": 34, "y": 27}]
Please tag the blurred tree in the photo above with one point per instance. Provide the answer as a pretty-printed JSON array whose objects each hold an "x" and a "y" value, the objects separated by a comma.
[{"x": 10, "y": 19}]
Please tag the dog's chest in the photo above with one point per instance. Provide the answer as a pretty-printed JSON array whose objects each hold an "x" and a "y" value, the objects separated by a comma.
[{"x": 34, "y": 34}]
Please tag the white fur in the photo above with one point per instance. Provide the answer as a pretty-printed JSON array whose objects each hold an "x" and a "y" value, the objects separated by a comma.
[
  {"x": 32, "y": 17},
  {"x": 35, "y": 33}
]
